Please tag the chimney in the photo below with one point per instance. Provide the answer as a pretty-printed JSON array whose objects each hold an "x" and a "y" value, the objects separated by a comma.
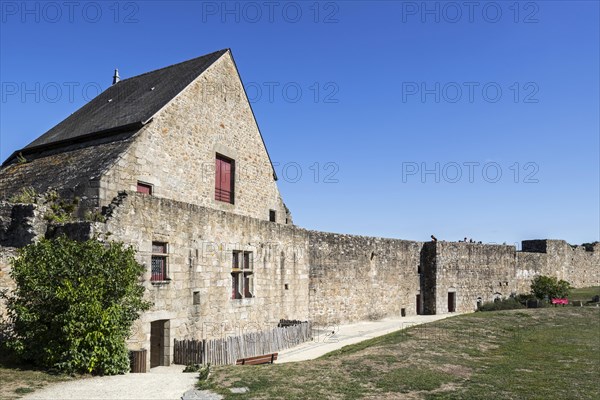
[{"x": 116, "y": 77}]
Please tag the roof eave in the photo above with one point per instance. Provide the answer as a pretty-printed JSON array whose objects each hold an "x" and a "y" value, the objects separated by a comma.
[{"x": 80, "y": 139}]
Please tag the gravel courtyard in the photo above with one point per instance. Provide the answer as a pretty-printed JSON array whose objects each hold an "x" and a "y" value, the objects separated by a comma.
[{"x": 164, "y": 383}]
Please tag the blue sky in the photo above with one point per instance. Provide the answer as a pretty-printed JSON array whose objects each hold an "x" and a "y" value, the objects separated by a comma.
[{"x": 405, "y": 119}]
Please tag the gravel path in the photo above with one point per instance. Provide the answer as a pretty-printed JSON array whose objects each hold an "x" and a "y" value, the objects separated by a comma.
[
  {"x": 335, "y": 337},
  {"x": 164, "y": 383}
]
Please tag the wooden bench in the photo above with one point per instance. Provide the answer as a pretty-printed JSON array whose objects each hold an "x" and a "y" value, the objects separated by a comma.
[{"x": 264, "y": 359}]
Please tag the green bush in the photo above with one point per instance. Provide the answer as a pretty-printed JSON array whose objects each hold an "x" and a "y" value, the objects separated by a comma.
[
  {"x": 549, "y": 287},
  {"x": 74, "y": 305},
  {"x": 524, "y": 298},
  {"x": 503, "y": 304}
]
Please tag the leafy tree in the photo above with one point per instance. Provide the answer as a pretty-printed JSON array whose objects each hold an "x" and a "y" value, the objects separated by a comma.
[
  {"x": 74, "y": 305},
  {"x": 542, "y": 286}
]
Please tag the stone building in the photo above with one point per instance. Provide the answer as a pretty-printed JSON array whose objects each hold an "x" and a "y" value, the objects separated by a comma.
[{"x": 175, "y": 165}]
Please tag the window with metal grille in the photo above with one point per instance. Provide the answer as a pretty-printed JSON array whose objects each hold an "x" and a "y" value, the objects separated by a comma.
[
  {"x": 242, "y": 275},
  {"x": 144, "y": 188},
  {"x": 159, "y": 262},
  {"x": 224, "y": 179}
]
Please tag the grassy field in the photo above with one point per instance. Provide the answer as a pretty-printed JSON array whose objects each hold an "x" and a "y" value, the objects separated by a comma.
[
  {"x": 584, "y": 294},
  {"x": 551, "y": 353}
]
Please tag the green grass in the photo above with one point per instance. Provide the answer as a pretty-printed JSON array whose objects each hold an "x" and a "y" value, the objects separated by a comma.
[
  {"x": 584, "y": 294},
  {"x": 546, "y": 353}
]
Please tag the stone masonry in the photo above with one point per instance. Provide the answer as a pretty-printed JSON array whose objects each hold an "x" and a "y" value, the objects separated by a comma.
[
  {"x": 175, "y": 153},
  {"x": 293, "y": 273}
]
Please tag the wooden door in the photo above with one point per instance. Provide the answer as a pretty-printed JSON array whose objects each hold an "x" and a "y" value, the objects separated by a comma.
[{"x": 157, "y": 341}]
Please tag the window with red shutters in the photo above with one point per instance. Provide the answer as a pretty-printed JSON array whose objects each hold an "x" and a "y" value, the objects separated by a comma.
[
  {"x": 144, "y": 188},
  {"x": 224, "y": 179}
]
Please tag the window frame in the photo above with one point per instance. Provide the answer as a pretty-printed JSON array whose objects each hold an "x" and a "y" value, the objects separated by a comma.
[
  {"x": 242, "y": 275},
  {"x": 146, "y": 186},
  {"x": 164, "y": 257}
]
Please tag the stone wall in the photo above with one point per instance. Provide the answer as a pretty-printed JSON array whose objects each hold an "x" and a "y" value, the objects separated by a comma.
[
  {"x": 20, "y": 224},
  {"x": 355, "y": 278},
  {"x": 578, "y": 265},
  {"x": 473, "y": 272},
  {"x": 176, "y": 151},
  {"x": 298, "y": 274},
  {"x": 197, "y": 298},
  {"x": 483, "y": 272}
]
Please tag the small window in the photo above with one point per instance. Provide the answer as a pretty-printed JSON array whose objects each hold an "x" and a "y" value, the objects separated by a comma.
[
  {"x": 224, "y": 179},
  {"x": 159, "y": 262},
  {"x": 196, "y": 298},
  {"x": 144, "y": 188},
  {"x": 272, "y": 215},
  {"x": 242, "y": 275}
]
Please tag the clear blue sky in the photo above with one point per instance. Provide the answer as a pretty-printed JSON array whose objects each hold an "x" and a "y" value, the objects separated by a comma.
[{"x": 387, "y": 89}]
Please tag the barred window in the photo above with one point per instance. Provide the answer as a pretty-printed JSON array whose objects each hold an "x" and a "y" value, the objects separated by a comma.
[{"x": 159, "y": 262}]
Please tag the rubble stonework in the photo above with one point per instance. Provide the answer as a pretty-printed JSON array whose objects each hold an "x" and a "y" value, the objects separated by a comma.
[
  {"x": 299, "y": 274},
  {"x": 175, "y": 153},
  {"x": 302, "y": 274},
  {"x": 164, "y": 129},
  {"x": 355, "y": 278}
]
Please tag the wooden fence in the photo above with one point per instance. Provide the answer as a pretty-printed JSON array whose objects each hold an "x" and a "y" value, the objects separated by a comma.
[{"x": 227, "y": 350}]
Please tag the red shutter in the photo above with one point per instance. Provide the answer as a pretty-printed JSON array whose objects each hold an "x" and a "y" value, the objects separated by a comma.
[
  {"x": 226, "y": 178},
  {"x": 223, "y": 178},
  {"x": 144, "y": 188}
]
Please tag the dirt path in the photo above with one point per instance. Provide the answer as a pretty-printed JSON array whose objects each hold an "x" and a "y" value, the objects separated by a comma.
[
  {"x": 330, "y": 338},
  {"x": 164, "y": 383}
]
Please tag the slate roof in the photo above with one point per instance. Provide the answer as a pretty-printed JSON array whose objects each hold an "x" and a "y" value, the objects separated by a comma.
[
  {"x": 87, "y": 142},
  {"x": 125, "y": 106},
  {"x": 69, "y": 167}
]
